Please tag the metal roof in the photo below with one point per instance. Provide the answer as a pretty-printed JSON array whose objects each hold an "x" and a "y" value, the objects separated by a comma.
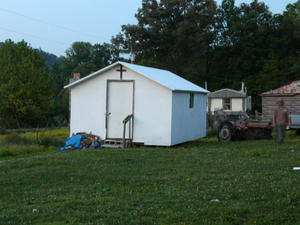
[
  {"x": 163, "y": 77},
  {"x": 291, "y": 88},
  {"x": 227, "y": 93}
]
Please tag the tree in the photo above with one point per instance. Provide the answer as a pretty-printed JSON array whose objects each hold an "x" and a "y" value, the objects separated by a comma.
[
  {"x": 243, "y": 45},
  {"x": 283, "y": 61},
  {"x": 25, "y": 86},
  {"x": 281, "y": 65},
  {"x": 172, "y": 34},
  {"x": 85, "y": 58}
]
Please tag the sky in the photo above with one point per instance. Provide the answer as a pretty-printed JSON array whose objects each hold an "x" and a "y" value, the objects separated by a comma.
[{"x": 54, "y": 25}]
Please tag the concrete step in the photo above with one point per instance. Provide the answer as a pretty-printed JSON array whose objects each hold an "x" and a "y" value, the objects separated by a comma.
[
  {"x": 111, "y": 146},
  {"x": 113, "y": 143}
]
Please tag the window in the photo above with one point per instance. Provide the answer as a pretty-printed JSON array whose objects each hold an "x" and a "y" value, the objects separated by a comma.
[
  {"x": 191, "y": 100},
  {"x": 227, "y": 103}
]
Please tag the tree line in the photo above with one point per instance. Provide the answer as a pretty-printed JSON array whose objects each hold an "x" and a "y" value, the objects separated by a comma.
[
  {"x": 32, "y": 81},
  {"x": 197, "y": 39},
  {"x": 223, "y": 45}
]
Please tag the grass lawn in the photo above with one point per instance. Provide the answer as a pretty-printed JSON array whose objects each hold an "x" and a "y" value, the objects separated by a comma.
[{"x": 202, "y": 182}]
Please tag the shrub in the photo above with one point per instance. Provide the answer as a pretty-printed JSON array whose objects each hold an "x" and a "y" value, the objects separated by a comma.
[
  {"x": 5, "y": 153},
  {"x": 50, "y": 141},
  {"x": 3, "y": 131},
  {"x": 15, "y": 150},
  {"x": 16, "y": 139},
  {"x": 211, "y": 132}
]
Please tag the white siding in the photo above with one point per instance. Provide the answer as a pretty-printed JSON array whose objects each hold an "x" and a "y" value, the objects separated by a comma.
[
  {"x": 152, "y": 108},
  {"x": 153, "y": 105},
  {"x": 88, "y": 107},
  {"x": 188, "y": 123},
  {"x": 237, "y": 104},
  {"x": 216, "y": 104}
]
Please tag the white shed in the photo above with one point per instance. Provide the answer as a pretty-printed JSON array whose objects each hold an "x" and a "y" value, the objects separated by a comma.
[
  {"x": 166, "y": 109},
  {"x": 229, "y": 100}
]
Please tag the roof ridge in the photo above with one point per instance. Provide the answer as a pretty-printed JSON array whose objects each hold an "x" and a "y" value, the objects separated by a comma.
[
  {"x": 234, "y": 93},
  {"x": 163, "y": 77},
  {"x": 143, "y": 66},
  {"x": 280, "y": 90}
]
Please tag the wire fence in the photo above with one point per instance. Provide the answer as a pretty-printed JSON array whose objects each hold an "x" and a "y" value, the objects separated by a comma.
[{"x": 25, "y": 130}]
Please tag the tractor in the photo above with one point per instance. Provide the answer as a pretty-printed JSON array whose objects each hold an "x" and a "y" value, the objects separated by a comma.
[{"x": 238, "y": 126}]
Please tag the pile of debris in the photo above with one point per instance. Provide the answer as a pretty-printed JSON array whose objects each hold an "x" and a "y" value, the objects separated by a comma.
[
  {"x": 82, "y": 140},
  {"x": 91, "y": 141}
]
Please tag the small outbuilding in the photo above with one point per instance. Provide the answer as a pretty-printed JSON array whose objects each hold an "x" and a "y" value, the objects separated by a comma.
[
  {"x": 165, "y": 109},
  {"x": 289, "y": 93},
  {"x": 229, "y": 100}
]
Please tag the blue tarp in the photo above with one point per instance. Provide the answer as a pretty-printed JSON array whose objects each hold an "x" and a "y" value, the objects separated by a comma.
[
  {"x": 73, "y": 141},
  {"x": 96, "y": 144}
]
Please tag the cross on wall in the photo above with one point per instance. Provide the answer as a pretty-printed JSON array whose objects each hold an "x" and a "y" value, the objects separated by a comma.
[{"x": 121, "y": 70}]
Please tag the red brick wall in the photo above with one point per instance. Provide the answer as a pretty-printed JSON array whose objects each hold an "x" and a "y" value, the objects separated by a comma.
[{"x": 269, "y": 104}]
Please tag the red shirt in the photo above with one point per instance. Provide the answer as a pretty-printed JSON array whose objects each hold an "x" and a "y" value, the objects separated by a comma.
[{"x": 281, "y": 116}]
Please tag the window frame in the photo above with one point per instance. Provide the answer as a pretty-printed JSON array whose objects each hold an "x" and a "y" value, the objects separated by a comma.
[
  {"x": 191, "y": 100},
  {"x": 228, "y": 104}
]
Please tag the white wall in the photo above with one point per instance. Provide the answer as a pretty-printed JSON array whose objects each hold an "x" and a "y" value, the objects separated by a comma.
[
  {"x": 153, "y": 105},
  {"x": 88, "y": 106},
  {"x": 188, "y": 123},
  {"x": 216, "y": 104},
  {"x": 237, "y": 104},
  {"x": 152, "y": 108}
]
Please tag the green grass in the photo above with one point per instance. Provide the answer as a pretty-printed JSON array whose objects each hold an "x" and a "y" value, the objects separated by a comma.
[
  {"x": 252, "y": 180},
  {"x": 32, "y": 142}
]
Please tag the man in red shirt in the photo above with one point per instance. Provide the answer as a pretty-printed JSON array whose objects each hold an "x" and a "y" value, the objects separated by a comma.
[{"x": 280, "y": 120}]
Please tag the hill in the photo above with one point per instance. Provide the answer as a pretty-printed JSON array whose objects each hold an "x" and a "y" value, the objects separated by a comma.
[{"x": 50, "y": 58}]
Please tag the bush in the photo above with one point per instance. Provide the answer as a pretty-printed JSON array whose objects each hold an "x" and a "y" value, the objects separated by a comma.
[
  {"x": 3, "y": 131},
  {"x": 5, "y": 153},
  {"x": 210, "y": 132},
  {"x": 15, "y": 150},
  {"x": 50, "y": 141},
  {"x": 15, "y": 144},
  {"x": 16, "y": 139}
]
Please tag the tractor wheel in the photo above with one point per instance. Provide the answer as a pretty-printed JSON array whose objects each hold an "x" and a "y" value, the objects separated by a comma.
[{"x": 225, "y": 132}]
